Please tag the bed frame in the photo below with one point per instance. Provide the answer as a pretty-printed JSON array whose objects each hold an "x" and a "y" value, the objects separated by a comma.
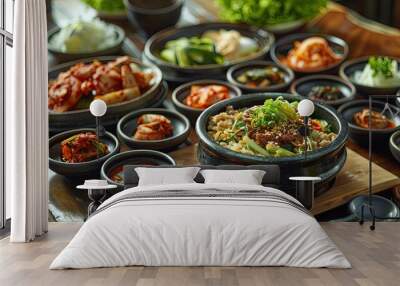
[{"x": 270, "y": 179}]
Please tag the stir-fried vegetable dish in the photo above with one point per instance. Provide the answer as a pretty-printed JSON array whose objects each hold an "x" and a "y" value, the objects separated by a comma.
[
  {"x": 203, "y": 96},
  {"x": 82, "y": 147},
  {"x": 213, "y": 47},
  {"x": 272, "y": 130},
  {"x": 114, "y": 82}
]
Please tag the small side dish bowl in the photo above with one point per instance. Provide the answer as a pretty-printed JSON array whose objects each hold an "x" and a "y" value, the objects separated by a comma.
[
  {"x": 304, "y": 86},
  {"x": 348, "y": 70},
  {"x": 360, "y": 134},
  {"x": 282, "y": 47},
  {"x": 127, "y": 126},
  {"x": 182, "y": 92},
  {"x": 155, "y": 15},
  {"x": 235, "y": 71},
  {"x": 112, "y": 169},
  {"x": 66, "y": 56},
  {"x": 394, "y": 145},
  {"x": 84, "y": 169}
]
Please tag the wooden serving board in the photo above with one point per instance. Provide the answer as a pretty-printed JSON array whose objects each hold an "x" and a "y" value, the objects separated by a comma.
[{"x": 68, "y": 205}]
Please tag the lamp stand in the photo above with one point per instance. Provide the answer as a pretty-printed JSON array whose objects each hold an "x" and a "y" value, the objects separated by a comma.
[
  {"x": 305, "y": 136},
  {"x": 97, "y": 136},
  {"x": 368, "y": 204}
]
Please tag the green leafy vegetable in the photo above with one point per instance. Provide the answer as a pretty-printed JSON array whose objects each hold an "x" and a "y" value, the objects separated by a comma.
[
  {"x": 274, "y": 112},
  {"x": 106, "y": 5},
  {"x": 381, "y": 65},
  {"x": 269, "y": 12}
]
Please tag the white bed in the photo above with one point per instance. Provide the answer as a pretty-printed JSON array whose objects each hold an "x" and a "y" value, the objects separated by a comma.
[{"x": 201, "y": 224}]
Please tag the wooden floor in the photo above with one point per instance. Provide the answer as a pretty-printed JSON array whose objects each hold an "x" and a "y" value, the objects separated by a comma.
[{"x": 375, "y": 257}]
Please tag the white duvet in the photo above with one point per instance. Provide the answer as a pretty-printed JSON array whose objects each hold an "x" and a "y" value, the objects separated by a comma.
[{"x": 200, "y": 231}]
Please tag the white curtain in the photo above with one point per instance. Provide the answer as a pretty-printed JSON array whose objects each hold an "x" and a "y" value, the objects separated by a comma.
[{"x": 27, "y": 123}]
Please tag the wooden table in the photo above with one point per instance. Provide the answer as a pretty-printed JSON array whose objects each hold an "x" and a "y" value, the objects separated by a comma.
[{"x": 364, "y": 38}]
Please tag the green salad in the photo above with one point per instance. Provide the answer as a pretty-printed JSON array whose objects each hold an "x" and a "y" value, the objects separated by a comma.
[{"x": 269, "y": 12}]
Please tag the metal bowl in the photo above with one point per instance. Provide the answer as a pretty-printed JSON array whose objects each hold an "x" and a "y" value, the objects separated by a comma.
[
  {"x": 325, "y": 162},
  {"x": 85, "y": 169},
  {"x": 176, "y": 73},
  {"x": 284, "y": 45}
]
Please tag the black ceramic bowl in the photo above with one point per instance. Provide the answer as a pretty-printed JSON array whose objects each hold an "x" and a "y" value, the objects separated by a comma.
[
  {"x": 394, "y": 145},
  {"x": 127, "y": 126},
  {"x": 304, "y": 85},
  {"x": 66, "y": 57},
  {"x": 325, "y": 162},
  {"x": 82, "y": 117},
  {"x": 359, "y": 134},
  {"x": 383, "y": 207},
  {"x": 235, "y": 71},
  {"x": 154, "y": 15},
  {"x": 176, "y": 73},
  {"x": 348, "y": 70},
  {"x": 183, "y": 91},
  {"x": 87, "y": 169},
  {"x": 283, "y": 46},
  {"x": 113, "y": 167}
]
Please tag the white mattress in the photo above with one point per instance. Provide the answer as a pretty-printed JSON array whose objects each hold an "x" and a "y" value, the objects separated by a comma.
[{"x": 200, "y": 231}]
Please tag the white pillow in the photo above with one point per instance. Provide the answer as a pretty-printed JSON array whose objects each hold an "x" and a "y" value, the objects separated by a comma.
[
  {"x": 166, "y": 176},
  {"x": 247, "y": 177}
]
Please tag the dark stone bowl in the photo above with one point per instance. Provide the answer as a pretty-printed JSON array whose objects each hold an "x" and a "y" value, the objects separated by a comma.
[
  {"x": 284, "y": 45},
  {"x": 183, "y": 91},
  {"x": 89, "y": 169},
  {"x": 176, "y": 73},
  {"x": 349, "y": 68},
  {"x": 154, "y": 15},
  {"x": 359, "y": 134},
  {"x": 325, "y": 162},
  {"x": 83, "y": 117},
  {"x": 304, "y": 85},
  {"x": 237, "y": 70},
  {"x": 394, "y": 145},
  {"x": 127, "y": 126},
  {"x": 66, "y": 57},
  {"x": 134, "y": 157}
]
